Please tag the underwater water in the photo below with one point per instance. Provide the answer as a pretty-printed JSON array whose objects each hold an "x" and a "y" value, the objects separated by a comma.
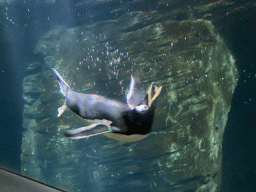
[{"x": 201, "y": 134}]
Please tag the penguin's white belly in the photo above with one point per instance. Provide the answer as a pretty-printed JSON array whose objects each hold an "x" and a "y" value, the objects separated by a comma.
[{"x": 125, "y": 138}]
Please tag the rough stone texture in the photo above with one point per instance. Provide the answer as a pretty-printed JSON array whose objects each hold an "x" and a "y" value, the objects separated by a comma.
[
  {"x": 32, "y": 87},
  {"x": 183, "y": 152}
]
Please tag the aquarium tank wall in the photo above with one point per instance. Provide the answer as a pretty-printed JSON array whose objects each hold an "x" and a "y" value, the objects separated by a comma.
[{"x": 187, "y": 49}]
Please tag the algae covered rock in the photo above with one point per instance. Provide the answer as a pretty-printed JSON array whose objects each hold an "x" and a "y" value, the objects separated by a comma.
[{"x": 183, "y": 151}]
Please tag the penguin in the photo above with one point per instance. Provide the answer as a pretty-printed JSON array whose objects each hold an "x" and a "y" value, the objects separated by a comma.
[{"x": 124, "y": 122}]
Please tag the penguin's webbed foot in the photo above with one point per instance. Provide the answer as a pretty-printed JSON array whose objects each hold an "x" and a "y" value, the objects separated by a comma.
[
  {"x": 157, "y": 91},
  {"x": 62, "y": 109}
]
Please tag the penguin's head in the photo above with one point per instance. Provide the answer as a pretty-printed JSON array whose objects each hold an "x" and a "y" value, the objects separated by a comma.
[
  {"x": 141, "y": 108},
  {"x": 139, "y": 101},
  {"x": 146, "y": 104}
]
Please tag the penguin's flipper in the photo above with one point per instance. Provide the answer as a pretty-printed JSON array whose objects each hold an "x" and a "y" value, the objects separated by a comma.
[
  {"x": 63, "y": 88},
  {"x": 136, "y": 93},
  {"x": 91, "y": 130},
  {"x": 62, "y": 83}
]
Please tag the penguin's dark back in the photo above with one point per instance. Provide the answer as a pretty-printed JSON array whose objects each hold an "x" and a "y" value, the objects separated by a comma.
[{"x": 90, "y": 106}]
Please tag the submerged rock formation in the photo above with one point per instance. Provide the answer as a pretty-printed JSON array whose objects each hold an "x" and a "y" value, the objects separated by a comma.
[{"x": 183, "y": 152}]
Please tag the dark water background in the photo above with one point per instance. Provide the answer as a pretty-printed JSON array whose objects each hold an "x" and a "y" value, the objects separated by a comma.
[
  {"x": 238, "y": 29},
  {"x": 239, "y": 152}
]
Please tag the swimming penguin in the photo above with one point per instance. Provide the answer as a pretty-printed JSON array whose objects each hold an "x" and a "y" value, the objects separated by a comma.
[{"x": 126, "y": 122}]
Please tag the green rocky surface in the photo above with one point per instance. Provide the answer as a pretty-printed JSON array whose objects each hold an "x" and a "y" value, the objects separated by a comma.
[{"x": 184, "y": 150}]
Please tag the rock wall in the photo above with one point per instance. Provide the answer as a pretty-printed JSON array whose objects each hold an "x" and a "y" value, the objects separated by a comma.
[{"x": 183, "y": 152}]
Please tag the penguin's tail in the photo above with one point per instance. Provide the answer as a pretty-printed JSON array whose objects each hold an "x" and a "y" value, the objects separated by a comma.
[{"x": 62, "y": 83}]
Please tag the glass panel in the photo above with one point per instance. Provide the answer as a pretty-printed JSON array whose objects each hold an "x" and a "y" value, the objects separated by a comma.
[{"x": 131, "y": 95}]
